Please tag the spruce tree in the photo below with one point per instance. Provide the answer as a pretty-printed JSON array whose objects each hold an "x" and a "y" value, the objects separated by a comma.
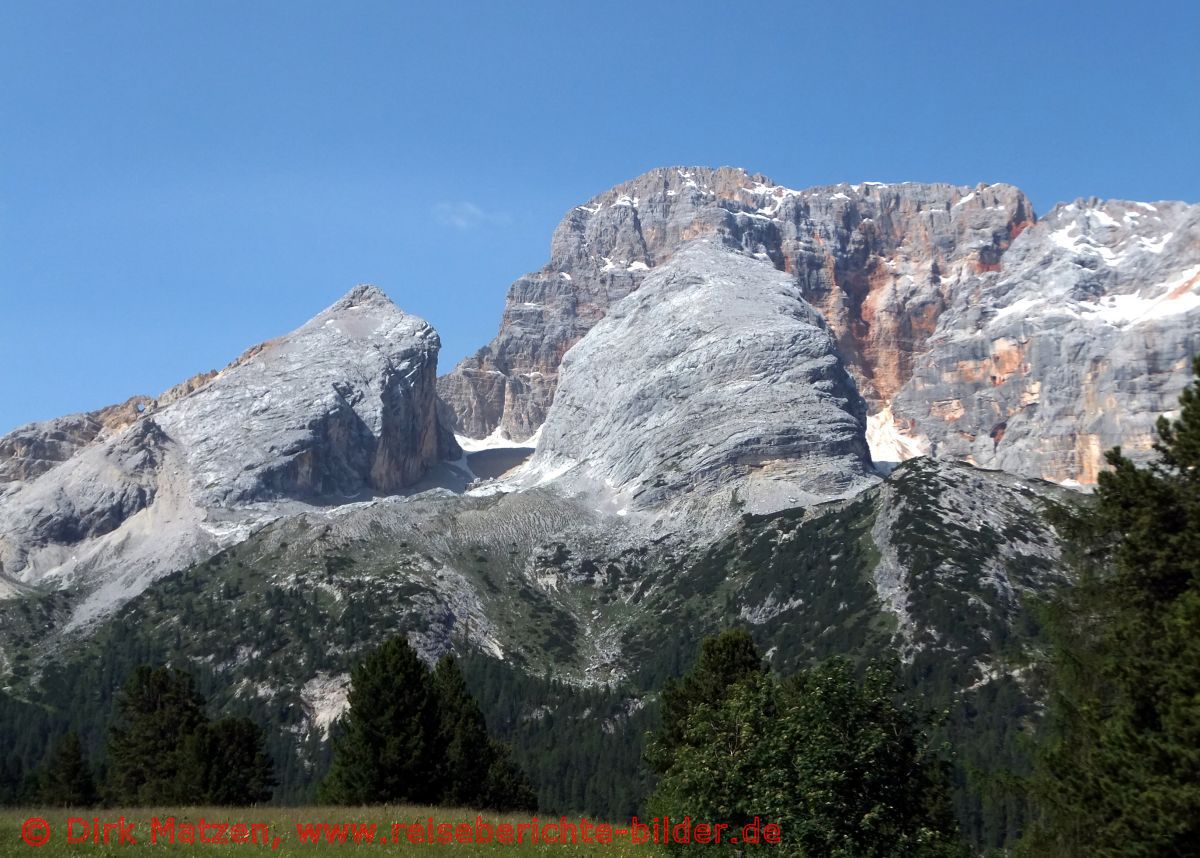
[
  {"x": 1118, "y": 768},
  {"x": 229, "y": 764},
  {"x": 476, "y": 770},
  {"x": 67, "y": 779},
  {"x": 387, "y": 746},
  {"x": 465, "y": 757},
  {"x": 158, "y": 710},
  {"x": 163, "y": 748},
  {"x": 507, "y": 788}
]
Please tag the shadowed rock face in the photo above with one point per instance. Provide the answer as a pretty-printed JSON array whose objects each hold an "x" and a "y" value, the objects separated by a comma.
[
  {"x": 880, "y": 262},
  {"x": 1081, "y": 340},
  {"x": 343, "y": 407},
  {"x": 714, "y": 390}
]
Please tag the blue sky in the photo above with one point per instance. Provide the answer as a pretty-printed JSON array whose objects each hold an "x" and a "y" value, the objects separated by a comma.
[{"x": 180, "y": 180}]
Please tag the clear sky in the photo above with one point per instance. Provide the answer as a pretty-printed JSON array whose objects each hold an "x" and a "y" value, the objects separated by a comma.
[{"x": 182, "y": 179}]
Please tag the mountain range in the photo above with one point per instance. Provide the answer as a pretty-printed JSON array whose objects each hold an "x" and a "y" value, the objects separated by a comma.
[{"x": 839, "y": 416}]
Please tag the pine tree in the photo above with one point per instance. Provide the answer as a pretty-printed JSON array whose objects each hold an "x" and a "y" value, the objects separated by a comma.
[
  {"x": 163, "y": 748},
  {"x": 388, "y": 742},
  {"x": 158, "y": 710},
  {"x": 465, "y": 759},
  {"x": 475, "y": 769},
  {"x": 1118, "y": 769},
  {"x": 67, "y": 779}
]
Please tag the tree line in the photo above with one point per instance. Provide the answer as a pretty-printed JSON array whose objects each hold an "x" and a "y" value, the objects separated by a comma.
[
  {"x": 410, "y": 735},
  {"x": 162, "y": 749}
]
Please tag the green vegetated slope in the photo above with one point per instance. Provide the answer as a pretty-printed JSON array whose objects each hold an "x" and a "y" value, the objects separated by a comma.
[{"x": 567, "y": 629}]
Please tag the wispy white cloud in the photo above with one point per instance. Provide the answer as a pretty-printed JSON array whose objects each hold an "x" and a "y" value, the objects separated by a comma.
[{"x": 466, "y": 215}]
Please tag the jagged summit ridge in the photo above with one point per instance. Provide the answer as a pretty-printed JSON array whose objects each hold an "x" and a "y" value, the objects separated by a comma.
[
  {"x": 953, "y": 308},
  {"x": 865, "y": 255}
]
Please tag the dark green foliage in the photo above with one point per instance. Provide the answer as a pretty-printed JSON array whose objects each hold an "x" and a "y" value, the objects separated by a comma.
[
  {"x": 474, "y": 769},
  {"x": 387, "y": 748},
  {"x": 725, "y": 660},
  {"x": 158, "y": 710},
  {"x": 26, "y": 731},
  {"x": 838, "y": 763},
  {"x": 229, "y": 762},
  {"x": 462, "y": 732},
  {"x": 67, "y": 779},
  {"x": 582, "y": 747},
  {"x": 1119, "y": 763},
  {"x": 419, "y": 737},
  {"x": 163, "y": 749}
]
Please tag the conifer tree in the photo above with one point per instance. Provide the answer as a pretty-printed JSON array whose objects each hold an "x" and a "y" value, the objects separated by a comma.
[
  {"x": 476, "y": 770},
  {"x": 229, "y": 764},
  {"x": 462, "y": 737},
  {"x": 67, "y": 779},
  {"x": 163, "y": 749},
  {"x": 507, "y": 787},
  {"x": 416, "y": 736},
  {"x": 1118, "y": 768},
  {"x": 387, "y": 747},
  {"x": 158, "y": 710}
]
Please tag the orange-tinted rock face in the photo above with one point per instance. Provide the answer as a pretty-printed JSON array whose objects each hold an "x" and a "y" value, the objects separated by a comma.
[
  {"x": 886, "y": 304},
  {"x": 879, "y": 261},
  {"x": 996, "y": 339}
]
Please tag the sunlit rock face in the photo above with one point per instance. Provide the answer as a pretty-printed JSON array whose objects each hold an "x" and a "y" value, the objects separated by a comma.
[
  {"x": 712, "y": 391},
  {"x": 342, "y": 405},
  {"x": 879, "y": 262},
  {"x": 1078, "y": 343},
  {"x": 973, "y": 331}
]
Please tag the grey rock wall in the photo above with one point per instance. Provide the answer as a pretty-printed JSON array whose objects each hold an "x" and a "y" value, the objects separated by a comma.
[
  {"x": 713, "y": 390},
  {"x": 1078, "y": 343},
  {"x": 878, "y": 261}
]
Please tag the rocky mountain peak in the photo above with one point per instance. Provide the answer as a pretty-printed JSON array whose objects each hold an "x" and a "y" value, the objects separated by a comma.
[
  {"x": 362, "y": 295},
  {"x": 712, "y": 391},
  {"x": 880, "y": 262},
  {"x": 343, "y": 407}
]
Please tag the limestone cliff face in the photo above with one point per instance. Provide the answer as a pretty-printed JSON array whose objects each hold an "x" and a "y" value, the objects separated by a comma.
[
  {"x": 344, "y": 404},
  {"x": 880, "y": 262},
  {"x": 341, "y": 408},
  {"x": 972, "y": 332},
  {"x": 1078, "y": 343},
  {"x": 712, "y": 391}
]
